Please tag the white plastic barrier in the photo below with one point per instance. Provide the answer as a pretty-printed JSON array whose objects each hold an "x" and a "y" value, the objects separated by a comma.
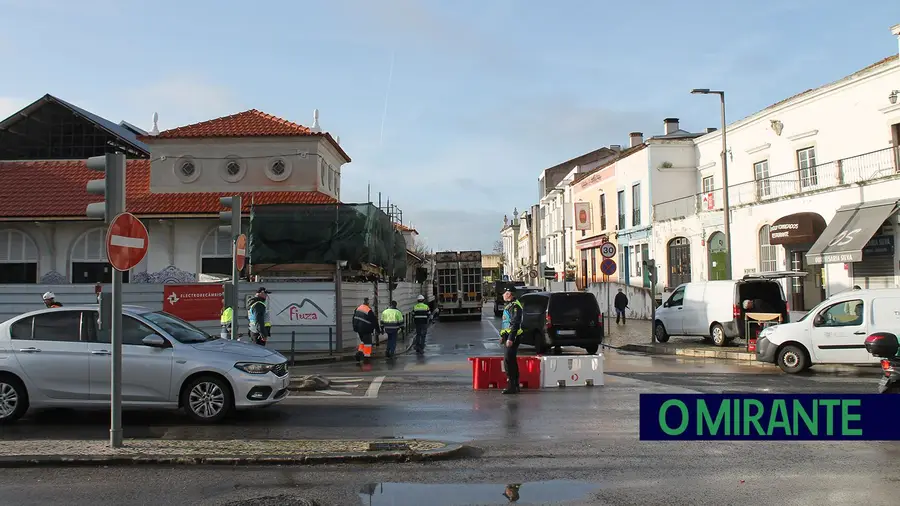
[{"x": 562, "y": 371}]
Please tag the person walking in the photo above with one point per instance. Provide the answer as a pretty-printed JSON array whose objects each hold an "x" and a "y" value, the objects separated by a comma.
[
  {"x": 225, "y": 322},
  {"x": 421, "y": 317},
  {"x": 50, "y": 300},
  {"x": 510, "y": 336},
  {"x": 621, "y": 303},
  {"x": 256, "y": 314},
  {"x": 391, "y": 322},
  {"x": 365, "y": 323}
]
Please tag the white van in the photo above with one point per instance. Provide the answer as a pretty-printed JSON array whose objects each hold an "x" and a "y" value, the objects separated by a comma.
[
  {"x": 833, "y": 332},
  {"x": 713, "y": 309}
]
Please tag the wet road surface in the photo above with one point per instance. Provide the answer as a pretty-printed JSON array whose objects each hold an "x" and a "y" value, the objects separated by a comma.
[{"x": 565, "y": 446}]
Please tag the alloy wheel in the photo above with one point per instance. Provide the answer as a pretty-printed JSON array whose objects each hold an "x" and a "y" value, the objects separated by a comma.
[
  {"x": 206, "y": 399},
  {"x": 9, "y": 400}
]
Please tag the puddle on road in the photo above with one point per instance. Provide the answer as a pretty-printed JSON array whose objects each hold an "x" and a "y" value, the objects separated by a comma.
[{"x": 459, "y": 494}]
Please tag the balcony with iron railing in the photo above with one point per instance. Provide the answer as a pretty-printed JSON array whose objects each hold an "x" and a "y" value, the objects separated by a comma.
[{"x": 824, "y": 176}]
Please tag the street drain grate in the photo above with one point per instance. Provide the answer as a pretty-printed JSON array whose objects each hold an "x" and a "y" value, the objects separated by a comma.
[{"x": 387, "y": 447}]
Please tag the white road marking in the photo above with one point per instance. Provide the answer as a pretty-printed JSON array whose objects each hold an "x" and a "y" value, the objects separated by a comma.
[
  {"x": 126, "y": 242},
  {"x": 333, "y": 392},
  {"x": 495, "y": 327},
  {"x": 372, "y": 392}
]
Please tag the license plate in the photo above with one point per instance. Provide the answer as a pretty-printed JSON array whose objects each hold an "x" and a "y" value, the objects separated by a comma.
[{"x": 565, "y": 332}]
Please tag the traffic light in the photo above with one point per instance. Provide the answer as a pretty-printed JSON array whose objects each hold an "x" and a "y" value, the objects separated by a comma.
[
  {"x": 112, "y": 187},
  {"x": 650, "y": 266},
  {"x": 232, "y": 217}
]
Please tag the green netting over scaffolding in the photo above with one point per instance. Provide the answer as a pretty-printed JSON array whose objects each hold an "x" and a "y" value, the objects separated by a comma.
[{"x": 324, "y": 234}]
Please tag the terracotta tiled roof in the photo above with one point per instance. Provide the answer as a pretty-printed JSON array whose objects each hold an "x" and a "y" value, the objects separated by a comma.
[
  {"x": 56, "y": 188},
  {"x": 250, "y": 123},
  {"x": 404, "y": 228}
]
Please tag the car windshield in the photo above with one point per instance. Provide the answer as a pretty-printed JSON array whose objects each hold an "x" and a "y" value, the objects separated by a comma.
[{"x": 181, "y": 330}]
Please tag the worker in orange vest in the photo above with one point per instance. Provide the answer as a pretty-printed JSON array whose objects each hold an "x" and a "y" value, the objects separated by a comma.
[{"x": 365, "y": 324}]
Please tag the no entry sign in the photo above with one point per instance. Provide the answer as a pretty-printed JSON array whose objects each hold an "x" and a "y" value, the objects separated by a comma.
[
  {"x": 240, "y": 251},
  {"x": 126, "y": 242}
]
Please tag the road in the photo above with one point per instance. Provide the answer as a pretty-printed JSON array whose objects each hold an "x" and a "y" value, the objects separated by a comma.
[{"x": 565, "y": 446}]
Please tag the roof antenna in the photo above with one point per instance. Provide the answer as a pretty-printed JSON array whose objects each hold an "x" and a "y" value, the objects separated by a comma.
[
  {"x": 315, "y": 126},
  {"x": 155, "y": 130}
]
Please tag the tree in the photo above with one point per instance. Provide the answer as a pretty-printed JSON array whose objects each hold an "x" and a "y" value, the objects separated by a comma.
[
  {"x": 420, "y": 248},
  {"x": 498, "y": 247}
]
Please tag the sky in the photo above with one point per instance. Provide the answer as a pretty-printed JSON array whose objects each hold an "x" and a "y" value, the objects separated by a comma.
[{"x": 450, "y": 108}]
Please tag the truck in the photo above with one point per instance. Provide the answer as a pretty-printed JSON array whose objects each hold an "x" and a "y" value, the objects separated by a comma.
[{"x": 459, "y": 284}]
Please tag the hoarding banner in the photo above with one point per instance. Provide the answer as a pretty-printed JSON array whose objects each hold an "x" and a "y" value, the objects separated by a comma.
[
  {"x": 302, "y": 308},
  {"x": 194, "y": 302}
]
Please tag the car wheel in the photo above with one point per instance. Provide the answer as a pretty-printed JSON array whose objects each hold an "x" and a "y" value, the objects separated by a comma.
[
  {"x": 717, "y": 334},
  {"x": 207, "y": 399},
  {"x": 13, "y": 399},
  {"x": 592, "y": 349},
  {"x": 792, "y": 359},
  {"x": 660, "y": 333}
]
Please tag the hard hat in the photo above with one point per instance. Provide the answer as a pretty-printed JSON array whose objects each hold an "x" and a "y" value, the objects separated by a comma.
[
  {"x": 49, "y": 295},
  {"x": 420, "y": 298}
]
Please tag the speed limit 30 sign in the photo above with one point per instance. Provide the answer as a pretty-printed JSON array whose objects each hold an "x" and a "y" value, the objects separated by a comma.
[{"x": 608, "y": 250}]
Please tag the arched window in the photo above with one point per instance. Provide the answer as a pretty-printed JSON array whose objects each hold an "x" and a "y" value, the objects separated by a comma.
[
  {"x": 88, "y": 260},
  {"x": 18, "y": 258},
  {"x": 215, "y": 253},
  {"x": 717, "y": 256},
  {"x": 768, "y": 256},
  {"x": 679, "y": 261}
]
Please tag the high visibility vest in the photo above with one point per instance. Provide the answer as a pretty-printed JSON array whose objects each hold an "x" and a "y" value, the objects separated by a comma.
[
  {"x": 227, "y": 316},
  {"x": 361, "y": 322},
  {"x": 507, "y": 315},
  {"x": 391, "y": 319},
  {"x": 251, "y": 315},
  {"x": 268, "y": 316},
  {"x": 421, "y": 312}
]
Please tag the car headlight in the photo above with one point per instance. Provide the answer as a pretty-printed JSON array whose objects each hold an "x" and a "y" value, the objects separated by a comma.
[{"x": 254, "y": 367}]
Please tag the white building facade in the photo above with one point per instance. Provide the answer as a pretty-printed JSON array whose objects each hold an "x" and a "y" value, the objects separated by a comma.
[
  {"x": 814, "y": 186},
  {"x": 509, "y": 236}
]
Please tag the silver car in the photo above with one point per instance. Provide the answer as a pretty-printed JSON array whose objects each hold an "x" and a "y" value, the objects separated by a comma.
[{"x": 60, "y": 358}]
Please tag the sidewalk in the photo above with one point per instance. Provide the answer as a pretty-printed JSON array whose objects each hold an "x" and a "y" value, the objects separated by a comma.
[{"x": 29, "y": 453}]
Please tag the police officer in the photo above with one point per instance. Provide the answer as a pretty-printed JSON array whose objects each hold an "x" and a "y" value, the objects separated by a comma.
[
  {"x": 391, "y": 321},
  {"x": 225, "y": 321},
  {"x": 256, "y": 313},
  {"x": 510, "y": 338},
  {"x": 50, "y": 300},
  {"x": 365, "y": 323},
  {"x": 421, "y": 317}
]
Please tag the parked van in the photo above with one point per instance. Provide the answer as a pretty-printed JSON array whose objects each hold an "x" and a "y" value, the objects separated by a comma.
[
  {"x": 714, "y": 310},
  {"x": 833, "y": 332}
]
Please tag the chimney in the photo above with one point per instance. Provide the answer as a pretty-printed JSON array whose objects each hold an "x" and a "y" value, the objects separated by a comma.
[
  {"x": 671, "y": 125},
  {"x": 635, "y": 139},
  {"x": 710, "y": 130}
]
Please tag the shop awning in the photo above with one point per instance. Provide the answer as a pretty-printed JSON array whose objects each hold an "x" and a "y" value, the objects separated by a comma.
[
  {"x": 798, "y": 228},
  {"x": 847, "y": 234}
]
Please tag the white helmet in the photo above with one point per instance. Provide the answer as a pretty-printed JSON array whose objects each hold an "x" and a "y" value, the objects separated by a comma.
[
  {"x": 420, "y": 298},
  {"x": 49, "y": 295}
]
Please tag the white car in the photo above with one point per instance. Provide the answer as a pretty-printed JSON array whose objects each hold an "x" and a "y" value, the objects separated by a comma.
[
  {"x": 59, "y": 357},
  {"x": 833, "y": 332}
]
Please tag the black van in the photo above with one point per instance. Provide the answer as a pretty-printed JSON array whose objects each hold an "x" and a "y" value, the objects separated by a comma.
[{"x": 553, "y": 319}]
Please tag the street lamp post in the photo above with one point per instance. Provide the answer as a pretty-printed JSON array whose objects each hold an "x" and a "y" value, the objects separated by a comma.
[{"x": 727, "y": 208}]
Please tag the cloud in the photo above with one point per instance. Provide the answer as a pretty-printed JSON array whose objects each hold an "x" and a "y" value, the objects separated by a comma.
[
  {"x": 179, "y": 101},
  {"x": 457, "y": 230},
  {"x": 10, "y": 106}
]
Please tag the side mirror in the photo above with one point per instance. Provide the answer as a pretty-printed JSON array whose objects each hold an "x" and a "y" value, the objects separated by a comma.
[
  {"x": 155, "y": 341},
  {"x": 818, "y": 320}
]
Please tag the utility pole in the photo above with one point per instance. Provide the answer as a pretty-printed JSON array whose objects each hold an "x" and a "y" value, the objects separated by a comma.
[
  {"x": 725, "y": 204},
  {"x": 233, "y": 228},
  {"x": 112, "y": 187}
]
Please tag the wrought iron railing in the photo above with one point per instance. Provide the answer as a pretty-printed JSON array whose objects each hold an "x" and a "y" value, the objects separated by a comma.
[{"x": 855, "y": 169}]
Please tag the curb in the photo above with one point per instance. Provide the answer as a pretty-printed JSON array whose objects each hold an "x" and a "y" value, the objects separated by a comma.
[
  {"x": 744, "y": 357},
  {"x": 448, "y": 452},
  {"x": 300, "y": 361}
]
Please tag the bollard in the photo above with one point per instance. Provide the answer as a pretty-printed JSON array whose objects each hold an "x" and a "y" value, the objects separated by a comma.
[
  {"x": 293, "y": 343},
  {"x": 330, "y": 337}
]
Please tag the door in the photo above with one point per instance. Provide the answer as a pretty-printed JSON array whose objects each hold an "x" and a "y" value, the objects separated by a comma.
[
  {"x": 672, "y": 315},
  {"x": 694, "y": 320},
  {"x": 839, "y": 333},
  {"x": 146, "y": 371},
  {"x": 50, "y": 349}
]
